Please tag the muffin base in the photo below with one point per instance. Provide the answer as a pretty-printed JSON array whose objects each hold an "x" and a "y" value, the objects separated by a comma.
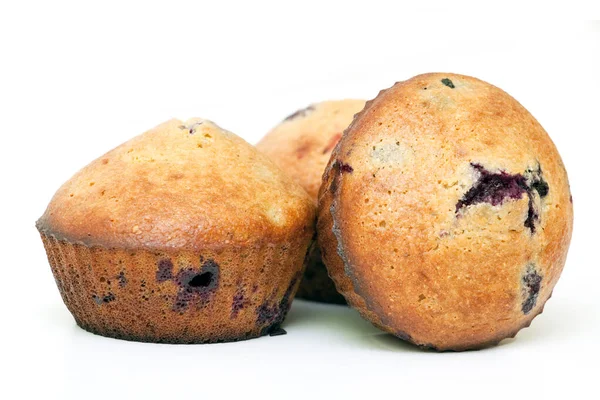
[
  {"x": 205, "y": 296},
  {"x": 174, "y": 340}
]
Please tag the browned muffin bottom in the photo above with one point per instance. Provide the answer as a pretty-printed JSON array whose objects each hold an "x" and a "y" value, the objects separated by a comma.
[
  {"x": 301, "y": 145},
  {"x": 185, "y": 234},
  {"x": 445, "y": 213},
  {"x": 171, "y": 297}
]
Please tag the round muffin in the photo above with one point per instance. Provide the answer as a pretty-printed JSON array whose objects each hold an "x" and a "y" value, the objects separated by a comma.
[
  {"x": 301, "y": 145},
  {"x": 184, "y": 234},
  {"x": 445, "y": 213}
]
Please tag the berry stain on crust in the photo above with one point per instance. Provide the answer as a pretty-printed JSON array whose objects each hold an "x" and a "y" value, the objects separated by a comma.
[
  {"x": 104, "y": 299},
  {"x": 122, "y": 279},
  {"x": 493, "y": 188},
  {"x": 496, "y": 187},
  {"x": 164, "y": 271},
  {"x": 346, "y": 168},
  {"x": 191, "y": 128},
  {"x": 532, "y": 283},
  {"x": 448, "y": 83},
  {"x": 537, "y": 182},
  {"x": 194, "y": 285},
  {"x": 338, "y": 168},
  {"x": 270, "y": 315},
  {"x": 342, "y": 167},
  {"x": 300, "y": 113},
  {"x": 239, "y": 302}
]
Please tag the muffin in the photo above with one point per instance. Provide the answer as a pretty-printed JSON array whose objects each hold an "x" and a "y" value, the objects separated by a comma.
[
  {"x": 301, "y": 145},
  {"x": 184, "y": 234},
  {"x": 445, "y": 213}
]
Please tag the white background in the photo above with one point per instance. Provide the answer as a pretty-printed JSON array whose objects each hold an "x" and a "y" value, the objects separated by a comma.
[{"x": 78, "y": 79}]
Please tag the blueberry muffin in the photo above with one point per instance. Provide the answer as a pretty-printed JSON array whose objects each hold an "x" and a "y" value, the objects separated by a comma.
[
  {"x": 184, "y": 234},
  {"x": 445, "y": 213},
  {"x": 301, "y": 145}
]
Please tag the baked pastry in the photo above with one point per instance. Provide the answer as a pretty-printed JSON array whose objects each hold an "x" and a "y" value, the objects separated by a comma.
[
  {"x": 301, "y": 145},
  {"x": 445, "y": 213},
  {"x": 184, "y": 234}
]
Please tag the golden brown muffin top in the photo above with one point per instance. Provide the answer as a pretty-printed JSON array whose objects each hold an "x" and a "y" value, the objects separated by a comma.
[
  {"x": 302, "y": 143},
  {"x": 444, "y": 192},
  {"x": 179, "y": 185}
]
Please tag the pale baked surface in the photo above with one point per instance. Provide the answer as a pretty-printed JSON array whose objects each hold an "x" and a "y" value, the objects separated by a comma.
[
  {"x": 301, "y": 145},
  {"x": 183, "y": 234},
  {"x": 445, "y": 214},
  {"x": 168, "y": 188}
]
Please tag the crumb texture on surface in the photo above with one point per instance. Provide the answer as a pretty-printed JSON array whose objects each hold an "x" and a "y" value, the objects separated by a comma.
[
  {"x": 180, "y": 185},
  {"x": 445, "y": 213},
  {"x": 184, "y": 234}
]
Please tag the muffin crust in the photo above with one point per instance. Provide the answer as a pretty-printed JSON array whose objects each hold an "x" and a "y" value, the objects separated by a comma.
[
  {"x": 184, "y": 234},
  {"x": 445, "y": 213}
]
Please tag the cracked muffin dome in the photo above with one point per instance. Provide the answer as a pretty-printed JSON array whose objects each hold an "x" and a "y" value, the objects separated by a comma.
[
  {"x": 184, "y": 234},
  {"x": 301, "y": 145},
  {"x": 445, "y": 213}
]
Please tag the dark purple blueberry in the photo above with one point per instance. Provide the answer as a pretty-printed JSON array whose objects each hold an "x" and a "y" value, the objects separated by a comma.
[
  {"x": 541, "y": 187},
  {"x": 269, "y": 314},
  {"x": 202, "y": 280},
  {"x": 302, "y": 112},
  {"x": 532, "y": 216},
  {"x": 536, "y": 181},
  {"x": 239, "y": 302},
  {"x": 191, "y": 128},
  {"x": 122, "y": 279},
  {"x": 108, "y": 298},
  {"x": 164, "y": 271},
  {"x": 196, "y": 285},
  {"x": 266, "y": 313},
  {"x": 183, "y": 299},
  {"x": 208, "y": 277},
  {"x": 104, "y": 299},
  {"x": 532, "y": 283},
  {"x": 448, "y": 83},
  {"x": 346, "y": 168},
  {"x": 493, "y": 188}
]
